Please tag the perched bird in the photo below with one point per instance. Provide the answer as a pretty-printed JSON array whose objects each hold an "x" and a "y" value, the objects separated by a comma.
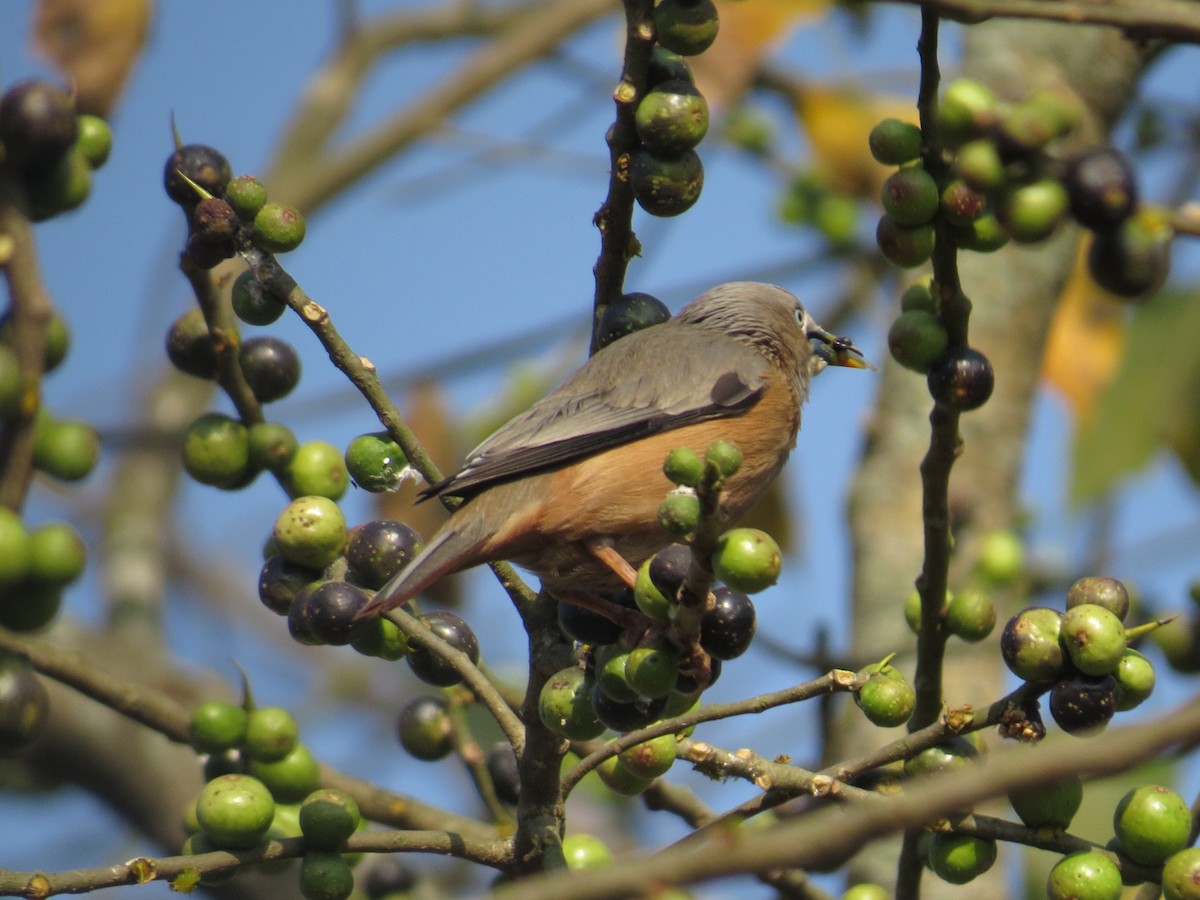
[{"x": 570, "y": 489}]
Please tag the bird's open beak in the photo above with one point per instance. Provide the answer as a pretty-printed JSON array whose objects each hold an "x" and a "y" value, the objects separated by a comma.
[{"x": 837, "y": 351}]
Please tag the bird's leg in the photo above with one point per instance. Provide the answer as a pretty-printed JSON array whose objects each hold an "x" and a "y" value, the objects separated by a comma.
[
  {"x": 622, "y": 615},
  {"x": 603, "y": 550}
]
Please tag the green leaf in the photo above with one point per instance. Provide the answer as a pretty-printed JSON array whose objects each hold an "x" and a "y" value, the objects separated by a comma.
[{"x": 1150, "y": 403}]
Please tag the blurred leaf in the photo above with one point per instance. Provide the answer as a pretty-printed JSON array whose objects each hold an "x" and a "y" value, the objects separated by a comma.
[
  {"x": 749, "y": 32},
  {"x": 1151, "y": 399},
  {"x": 94, "y": 43},
  {"x": 836, "y": 119},
  {"x": 1086, "y": 341}
]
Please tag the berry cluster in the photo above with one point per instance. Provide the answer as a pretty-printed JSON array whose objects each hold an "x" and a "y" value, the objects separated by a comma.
[
  {"x": 49, "y": 147},
  {"x": 672, "y": 117},
  {"x": 1082, "y": 656},
  {"x": 1004, "y": 181},
  {"x": 262, "y": 784}
]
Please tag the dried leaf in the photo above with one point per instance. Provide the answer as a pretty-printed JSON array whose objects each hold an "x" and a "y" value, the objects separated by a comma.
[
  {"x": 94, "y": 43},
  {"x": 1086, "y": 341}
]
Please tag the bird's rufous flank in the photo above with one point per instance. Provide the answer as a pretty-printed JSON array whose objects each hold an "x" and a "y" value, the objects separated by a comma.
[{"x": 579, "y": 475}]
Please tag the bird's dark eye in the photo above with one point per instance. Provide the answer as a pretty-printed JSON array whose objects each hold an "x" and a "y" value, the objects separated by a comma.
[{"x": 800, "y": 314}]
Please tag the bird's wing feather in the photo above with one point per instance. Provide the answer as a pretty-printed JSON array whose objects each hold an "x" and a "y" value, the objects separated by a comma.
[{"x": 623, "y": 393}]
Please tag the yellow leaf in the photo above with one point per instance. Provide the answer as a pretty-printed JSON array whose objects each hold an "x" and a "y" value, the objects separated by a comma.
[
  {"x": 750, "y": 30},
  {"x": 1086, "y": 341},
  {"x": 837, "y": 119},
  {"x": 94, "y": 43}
]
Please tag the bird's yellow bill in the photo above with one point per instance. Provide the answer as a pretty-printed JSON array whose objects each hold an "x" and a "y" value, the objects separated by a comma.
[{"x": 837, "y": 351}]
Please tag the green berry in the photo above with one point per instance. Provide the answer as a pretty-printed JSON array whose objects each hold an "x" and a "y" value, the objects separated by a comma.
[
  {"x": 235, "y": 811},
  {"x": 984, "y": 235},
  {"x": 565, "y": 705},
  {"x": 724, "y": 456},
  {"x": 292, "y": 778},
  {"x": 94, "y": 140},
  {"x": 311, "y": 532},
  {"x": 1030, "y": 644},
  {"x": 672, "y": 118},
  {"x": 271, "y": 734},
  {"x": 1101, "y": 591},
  {"x": 14, "y": 547},
  {"x": 190, "y": 347},
  {"x": 1032, "y": 212},
  {"x": 318, "y": 469},
  {"x": 252, "y": 303},
  {"x": 1135, "y": 680},
  {"x": 916, "y": 339},
  {"x": 649, "y": 599},
  {"x": 666, "y": 186},
  {"x": 919, "y": 296},
  {"x": 906, "y": 247},
  {"x": 961, "y": 204},
  {"x": 583, "y": 851},
  {"x": 886, "y": 699},
  {"x": 57, "y": 554},
  {"x": 216, "y": 451},
  {"x": 667, "y": 66},
  {"x": 612, "y": 673},
  {"x": 651, "y": 758},
  {"x": 967, "y": 108},
  {"x": 910, "y": 196},
  {"x": 747, "y": 560},
  {"x": 325, "y": 876},
  {"x": 683, "y": 466},
  {"x": 1001, "y": 558},
  {"x": 1152, "y": 823},
  {"x": 1087, "y": 875},
  {"x": 1181, "y": 875},
  {"x": 953, "y": 754},
  {"x": 960, "y": 858},
  {"x": 894, "y": 142},
  {"x": 271, "y": 446},
  {"x": 327, "y": 818},
  {"x": 67, "y": 449},
  {"x": 1050, "y": 806},
  {"x": 652, "y": 671},
  {"x": 278, "y": 228},
  {"x": 979, "y": 166},
  {"x": 217, "y": 727},
  {"x": 866, "y": 891},
  {"x": 247, "y": 195},
  {"x": 1094, "y": 639},
  {"x": 679, "y": 513},
  {"x": 971, "y": 615},
  {"x": 375, "y": 461},
  {"x": 619, "y": 779},
  {"x": 686, "y": 27},
  {"x": 912, "y": 609}
]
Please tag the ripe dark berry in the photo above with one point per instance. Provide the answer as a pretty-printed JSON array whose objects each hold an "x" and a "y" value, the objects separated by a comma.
[
  {"x": 60, "y": 187},
  {"x": 667, "y": 66},
  {"x": 271, "y": 367},
  {"x": 502, "y": 767},
  {"x": 672, "y": 118},
  {"x": 37, "y": 124},
  {"x": 214, "y": 221},
  {"x": 190, "y": 347},
  {"x": 327, "y": 613},
  {"x": 378, "y": 550},
  {"x": 279, "y": 581},
  {"x": 1106, "y": 592},
  {"x": 961, "y": 204},
  {"x": 1132, "y": 259},
  {"x": 590, "y": 627},
  {"x": 632, "y": 312},
  {"x": 627, "y": 716},
  {"x": 666, "y": 186},
  {"x": 688, "y": 683},
  {"x": 1102, "y": 188},
  {"x": 686, "y": 27},
  {"x": 963, "y": 380},
  {"x": 1081, "y": 703},
  {"x": 727, "y": 629},
  {"x": 204, "y": 165},
  {"x": 425, "y": 730},
  {"x": 669, "y": 568},
  {"x": 432, "y": 669},
  {"x": 387, "y": 877}
]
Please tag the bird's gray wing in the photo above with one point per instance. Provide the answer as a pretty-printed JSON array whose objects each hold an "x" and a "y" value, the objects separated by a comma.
[{"x": 625, "y": 392}]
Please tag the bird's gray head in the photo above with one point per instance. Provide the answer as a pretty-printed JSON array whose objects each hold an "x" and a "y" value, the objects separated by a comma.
[{"x": 775, "y": 323}]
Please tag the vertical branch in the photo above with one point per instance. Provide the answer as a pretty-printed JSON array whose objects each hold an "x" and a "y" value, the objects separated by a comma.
[{"x": 618, "y": 243}]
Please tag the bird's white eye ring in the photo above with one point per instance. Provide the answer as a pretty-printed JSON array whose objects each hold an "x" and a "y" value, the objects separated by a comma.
[{"x": 801, "y": 315}]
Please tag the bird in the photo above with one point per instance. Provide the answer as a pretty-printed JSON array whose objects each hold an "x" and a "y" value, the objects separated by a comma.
[{"x": 570, "y": 488}]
